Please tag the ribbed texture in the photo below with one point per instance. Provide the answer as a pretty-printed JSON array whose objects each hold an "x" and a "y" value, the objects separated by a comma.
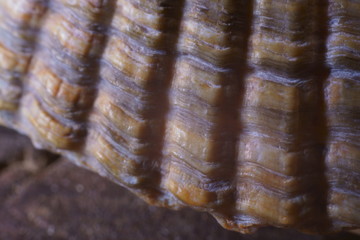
[
  {"x": 19, "y": 26},
  {"x": 278, "y": 157},
  {"x": 247, "y": 109},
  {"x": 342, "y": 94}
]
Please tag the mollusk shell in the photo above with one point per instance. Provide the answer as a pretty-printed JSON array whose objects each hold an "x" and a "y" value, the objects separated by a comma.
[{"x": 249, "y": 110}]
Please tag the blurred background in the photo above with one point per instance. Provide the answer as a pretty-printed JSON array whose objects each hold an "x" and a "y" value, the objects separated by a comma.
[{"x": 43, "y": 196}]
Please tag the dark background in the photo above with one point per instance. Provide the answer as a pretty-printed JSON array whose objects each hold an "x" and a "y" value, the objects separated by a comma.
[{"x": 45, "y": 197}]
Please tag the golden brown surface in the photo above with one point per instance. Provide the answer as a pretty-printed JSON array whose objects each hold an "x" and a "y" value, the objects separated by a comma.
[{"x": 249, "y": 110}]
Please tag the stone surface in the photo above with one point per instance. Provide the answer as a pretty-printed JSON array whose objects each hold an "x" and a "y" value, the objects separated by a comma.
[
  {"x": 58, "y": 200},
  {"x": 66, "y": 202}
]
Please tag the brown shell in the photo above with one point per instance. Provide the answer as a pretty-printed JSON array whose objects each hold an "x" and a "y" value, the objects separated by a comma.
[{"x": 249, "y": 110}]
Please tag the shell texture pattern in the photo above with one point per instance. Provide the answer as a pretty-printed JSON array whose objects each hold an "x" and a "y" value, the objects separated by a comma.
[{"x": 249, "y": 110}]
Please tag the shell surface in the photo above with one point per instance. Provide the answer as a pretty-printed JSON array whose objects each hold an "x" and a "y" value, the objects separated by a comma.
[{"x": 249, "y": 110}]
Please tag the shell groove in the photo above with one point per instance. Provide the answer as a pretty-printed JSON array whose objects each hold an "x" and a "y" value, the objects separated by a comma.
[{"x": 247, "y": 109}]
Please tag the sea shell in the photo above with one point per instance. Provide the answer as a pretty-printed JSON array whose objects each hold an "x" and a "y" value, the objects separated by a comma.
[{"x": 249, "y": 110}]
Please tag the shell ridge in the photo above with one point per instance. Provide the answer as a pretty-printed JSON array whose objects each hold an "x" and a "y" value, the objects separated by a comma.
[
  {"x": 59, "y": 88},
  {"x": 18, "y": 64},
  {"x": 342, "y": 143},
  {"x": 269, "y": 54},
  {"x": 216, "y": 72},
  {"x": 128, "y": 108}
]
